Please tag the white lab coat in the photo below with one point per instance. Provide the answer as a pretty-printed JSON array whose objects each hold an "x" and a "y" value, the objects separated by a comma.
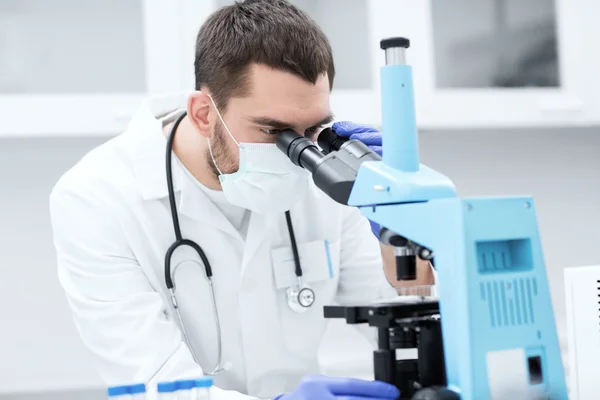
[{"x": 112, "y": 227}]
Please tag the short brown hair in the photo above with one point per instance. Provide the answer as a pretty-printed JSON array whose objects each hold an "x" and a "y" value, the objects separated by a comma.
[{"x": 268, "y": 32}]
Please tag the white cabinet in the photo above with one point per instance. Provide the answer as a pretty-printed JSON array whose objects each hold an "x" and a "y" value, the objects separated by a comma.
[
  {"x": 76, "y": 67},
  {"x": 496, "y": 63},
  {"x": 476, "y": 63},
  {"x": 73, "y": 67}
]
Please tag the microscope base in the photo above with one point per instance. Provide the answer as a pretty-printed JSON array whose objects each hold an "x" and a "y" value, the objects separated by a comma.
[{"x": 404, "y": 326}]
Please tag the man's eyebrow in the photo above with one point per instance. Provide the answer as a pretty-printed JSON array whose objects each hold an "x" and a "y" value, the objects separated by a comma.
[{"x": 277, "y": 124}]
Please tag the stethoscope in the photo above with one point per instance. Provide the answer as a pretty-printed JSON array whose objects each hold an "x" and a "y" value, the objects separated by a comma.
[{"x": 299, "y": 297}]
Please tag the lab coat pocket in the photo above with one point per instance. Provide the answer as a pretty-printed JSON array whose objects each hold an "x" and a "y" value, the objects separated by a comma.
[{"x": 320, "y": 263}]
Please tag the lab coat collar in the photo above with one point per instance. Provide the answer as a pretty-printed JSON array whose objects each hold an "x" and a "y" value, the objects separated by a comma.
[
  {"x": 259, "y": 228},
  {"x": 195, "y": 204},
  {"x": 149, "y": 145}
]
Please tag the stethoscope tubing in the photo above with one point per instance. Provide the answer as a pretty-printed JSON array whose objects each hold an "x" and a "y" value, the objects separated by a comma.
[{"x": 180, "y": 242}]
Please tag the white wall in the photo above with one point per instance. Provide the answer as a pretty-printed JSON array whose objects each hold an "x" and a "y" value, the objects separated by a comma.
[
  {"x": 39, "y": 346},
  {"x": 35, "y": 33},
  {"x": 38, "y": 343},
  {"x": 476, "y": 41}
]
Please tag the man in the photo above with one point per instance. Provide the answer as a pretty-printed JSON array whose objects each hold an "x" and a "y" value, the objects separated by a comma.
[{"x": 261, "y": 66}]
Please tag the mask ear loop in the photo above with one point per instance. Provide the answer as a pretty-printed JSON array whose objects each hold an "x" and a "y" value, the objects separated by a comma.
[
  {"x": 226, "y": 128},
  {"x": 221, "y": 118}
]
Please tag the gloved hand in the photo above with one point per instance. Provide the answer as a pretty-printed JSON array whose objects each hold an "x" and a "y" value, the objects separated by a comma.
[
  {"x": 369, "y": 136},
  {"x": 364, "y": 133},
  {"x": 335, "y": 388}
]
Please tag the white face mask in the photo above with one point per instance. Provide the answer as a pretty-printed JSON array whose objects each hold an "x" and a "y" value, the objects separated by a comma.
[{"x": 266, "y": 181}]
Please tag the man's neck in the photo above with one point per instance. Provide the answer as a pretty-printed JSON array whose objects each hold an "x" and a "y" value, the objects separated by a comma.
[{"x": 191, "y": 148}]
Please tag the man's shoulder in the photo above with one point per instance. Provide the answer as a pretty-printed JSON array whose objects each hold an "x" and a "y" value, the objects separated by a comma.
[{"x": 101, "y": 172}]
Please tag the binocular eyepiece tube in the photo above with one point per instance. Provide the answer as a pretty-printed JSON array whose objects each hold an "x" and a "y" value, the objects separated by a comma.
[
  {"x": 333, "y": 169},
  {"x": 300, "y": 150}
]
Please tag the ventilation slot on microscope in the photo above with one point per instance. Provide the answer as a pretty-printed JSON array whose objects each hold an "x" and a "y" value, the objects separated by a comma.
[
  {"x": 504, "y": 255},
  {"x": 510, "y": 301}
]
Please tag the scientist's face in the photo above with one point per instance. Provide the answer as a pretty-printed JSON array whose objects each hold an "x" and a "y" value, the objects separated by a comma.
[{"x": 278, "y": 100}]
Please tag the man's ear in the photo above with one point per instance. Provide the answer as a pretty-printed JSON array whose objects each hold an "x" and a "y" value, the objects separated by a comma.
[{"x": 198, "y": 111}]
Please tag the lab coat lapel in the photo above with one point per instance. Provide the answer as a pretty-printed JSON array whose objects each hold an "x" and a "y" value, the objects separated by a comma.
[
  {"x": 148, "y": 143},
  {"x": 257, "y": 238},
  {"x": 195, "y": 204}
]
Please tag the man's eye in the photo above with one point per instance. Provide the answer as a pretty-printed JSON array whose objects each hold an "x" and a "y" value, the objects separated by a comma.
[
  {"x": 310, "y": 132},
  {"x": 313, "y": 132},
  {"x": 272, "y": 131}
]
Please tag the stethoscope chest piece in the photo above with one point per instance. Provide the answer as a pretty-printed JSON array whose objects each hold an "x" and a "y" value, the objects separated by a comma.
[{"x": 300, "y": 297}]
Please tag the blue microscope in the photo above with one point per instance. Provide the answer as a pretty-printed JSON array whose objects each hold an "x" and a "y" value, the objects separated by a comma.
[{"x": 491, "y": 334}]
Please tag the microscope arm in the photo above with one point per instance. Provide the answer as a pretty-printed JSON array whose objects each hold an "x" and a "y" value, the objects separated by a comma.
[
  {"x": 334, "y": 170},
  {"x": 492, "y": 334}
]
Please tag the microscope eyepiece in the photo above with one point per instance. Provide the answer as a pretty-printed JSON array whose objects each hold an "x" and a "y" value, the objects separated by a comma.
[
  {"x": 284, "y": 141},
  {"x": 300, "y": 150},
  {"x": 334, "y": 170},
  {"x": 328, "y": 141},
  {"x": 391, "y": 42},
  {"x": 395, "y": 50}
]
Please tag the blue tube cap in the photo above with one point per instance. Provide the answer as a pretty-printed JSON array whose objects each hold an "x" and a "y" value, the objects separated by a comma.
[
  {"x": 118, "y": 390},
  {"x": 166, "y": 387},
  {"x": 136, "y": 389},
  {"x": 204, "y": 382},
  {"x": 186, "y": 384}
]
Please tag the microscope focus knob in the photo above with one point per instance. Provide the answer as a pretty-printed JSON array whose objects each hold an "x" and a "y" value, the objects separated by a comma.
[{"x": 436, "y": 393}]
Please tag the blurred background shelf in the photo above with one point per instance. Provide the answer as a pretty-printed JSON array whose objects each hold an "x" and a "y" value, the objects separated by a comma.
[
  {"x": 66, "y": 114},
  {"x": 83, "y": 66},
  {"x": 499, "y": 63},
  {"x": 80, "y": 67}
]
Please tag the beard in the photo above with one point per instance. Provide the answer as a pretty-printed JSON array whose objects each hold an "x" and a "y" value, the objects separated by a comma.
[{"x": 222, "y": 157}]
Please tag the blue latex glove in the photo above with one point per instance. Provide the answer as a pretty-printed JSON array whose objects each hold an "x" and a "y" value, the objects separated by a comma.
[
  {"x": 335, "y": 388},
  {"x": 369, "y": 136},
  {"x": 364, "y": 133}
]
